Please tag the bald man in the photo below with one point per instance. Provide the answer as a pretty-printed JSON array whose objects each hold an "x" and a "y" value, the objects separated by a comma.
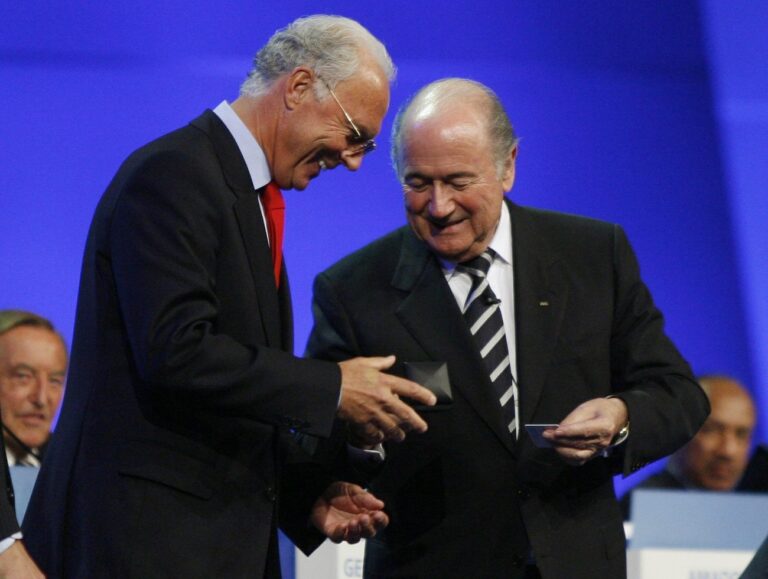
[
  {"x": 715, "y": 459},
  {"x": 536, "y": 317}
]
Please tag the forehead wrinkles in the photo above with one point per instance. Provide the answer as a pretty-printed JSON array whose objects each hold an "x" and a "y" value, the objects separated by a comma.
[
  {"x": 32, "y": 346},
  {"x": 438, "y": 145}
]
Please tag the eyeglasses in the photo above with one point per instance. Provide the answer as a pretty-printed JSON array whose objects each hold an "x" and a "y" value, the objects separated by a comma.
[{"x": 360, "y": 144}]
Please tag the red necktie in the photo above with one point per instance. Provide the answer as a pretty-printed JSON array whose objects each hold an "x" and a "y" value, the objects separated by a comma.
[{"x": 274, "y": 209}]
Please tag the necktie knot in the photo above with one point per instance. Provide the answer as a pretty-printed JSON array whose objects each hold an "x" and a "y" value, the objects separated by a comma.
[
  {"x": 272, "y": 198},
  {"x": 478, "y": 266}
]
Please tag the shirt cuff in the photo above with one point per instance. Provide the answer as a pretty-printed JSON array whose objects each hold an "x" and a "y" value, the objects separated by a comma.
[
  {"x": 375, "y": 455},
  {"x": 8, "y": 542}
]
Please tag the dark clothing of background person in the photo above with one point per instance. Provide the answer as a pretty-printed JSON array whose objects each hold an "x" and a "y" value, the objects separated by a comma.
[{"x": 8, "y": 523}]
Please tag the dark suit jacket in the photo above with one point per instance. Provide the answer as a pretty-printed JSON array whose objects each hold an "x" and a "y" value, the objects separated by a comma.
[
  {"x": 168, "y": 456},
  {"x": 8, "y": 523},
  {"x": 464, "y": 499}
]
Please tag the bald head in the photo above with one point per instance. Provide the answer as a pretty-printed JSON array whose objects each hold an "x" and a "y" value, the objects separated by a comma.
[
  {"x": 716, "y": 457},
  {"x": 443, "y": 99}
]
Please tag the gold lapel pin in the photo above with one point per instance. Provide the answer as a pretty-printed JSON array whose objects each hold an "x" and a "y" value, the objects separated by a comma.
[{"x": 544, "y": 304}]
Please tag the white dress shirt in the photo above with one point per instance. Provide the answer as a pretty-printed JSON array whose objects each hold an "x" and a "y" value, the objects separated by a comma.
[
  {"x": 501, "y": 278},
  {"x": 250, "y": 150}
]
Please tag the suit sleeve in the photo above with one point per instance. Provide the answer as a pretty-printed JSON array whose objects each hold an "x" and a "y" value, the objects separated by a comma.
[
  {"x": 8, "y": 523},
  {"x": 332, "y": 338},
  {"x": 304, "y": 478},
  {"x": 164, "y": 247},
  {"x": 666, "y": 406}
]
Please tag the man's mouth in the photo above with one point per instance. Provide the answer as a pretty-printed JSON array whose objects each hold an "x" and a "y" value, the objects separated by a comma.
[
  {"x": 445, "y": 225},
  {"x": 33, "y": 419}
]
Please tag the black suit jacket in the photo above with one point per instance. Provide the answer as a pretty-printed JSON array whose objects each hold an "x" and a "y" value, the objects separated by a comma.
[
  {"x": 8, "y": 523},
  {"x": 170, "y": 449},
  {"x": 465, "y": 500}
]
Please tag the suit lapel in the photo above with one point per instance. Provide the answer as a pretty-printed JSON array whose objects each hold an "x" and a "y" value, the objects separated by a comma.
[
  {"x": 250, "y": 221},
  {"x": 541, "y": 295},
  {"x": 430, "y": 314}
]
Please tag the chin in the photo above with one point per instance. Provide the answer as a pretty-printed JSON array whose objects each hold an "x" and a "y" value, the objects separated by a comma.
[{"x": 450, "y": 253}]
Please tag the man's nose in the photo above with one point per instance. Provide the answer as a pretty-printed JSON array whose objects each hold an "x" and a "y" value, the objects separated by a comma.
[
  {"x": 441, "y": 201},
  {"x": 39, "y": 393},
  {"x": 351, "y": 162},
  {"x": 729, "y": 446}
]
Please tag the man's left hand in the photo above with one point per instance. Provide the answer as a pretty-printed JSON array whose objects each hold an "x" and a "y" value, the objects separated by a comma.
[
  {"x": 588, "y": 430},
  {"x": 347, "y": 512}
]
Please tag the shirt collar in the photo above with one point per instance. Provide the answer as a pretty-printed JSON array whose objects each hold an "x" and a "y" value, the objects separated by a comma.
[
  {"x": 501, "y": 242},
  {"x": 247, "y": 143}
]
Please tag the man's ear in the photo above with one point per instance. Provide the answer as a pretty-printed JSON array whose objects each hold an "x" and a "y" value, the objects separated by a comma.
[
  {"x": 508, "y": 176},
  {"x": 298, "y": 86}
]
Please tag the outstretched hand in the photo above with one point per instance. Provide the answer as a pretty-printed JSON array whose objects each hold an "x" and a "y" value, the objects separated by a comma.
[
  {"x": 370, "y": 400},
  {"x": 347, "y": 512}
]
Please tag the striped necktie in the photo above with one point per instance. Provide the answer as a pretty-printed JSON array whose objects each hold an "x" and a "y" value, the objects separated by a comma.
[{"x": 483, "y": 317}]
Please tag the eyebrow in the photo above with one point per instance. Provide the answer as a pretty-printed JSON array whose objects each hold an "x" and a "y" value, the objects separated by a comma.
[
  {"x": 34, "y": 370},
  {"x": 365, "y": 134},
  {"x": 23, "y": 366}
]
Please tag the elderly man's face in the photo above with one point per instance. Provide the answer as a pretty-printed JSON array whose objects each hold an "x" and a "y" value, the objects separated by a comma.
[
  {"x": 716, "y": 457},
  {"x": 33, "y": 361},
  {"x": 317, "y": 133},
  {"x": 453, "y": 192}
]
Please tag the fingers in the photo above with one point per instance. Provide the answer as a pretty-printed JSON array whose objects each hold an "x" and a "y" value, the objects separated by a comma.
[
  {"x": 362, "y": 526},
  {"x": 405, "y": 418},
  {"x": 364, "y": 435},
  {"x": 365, "y": 500},
  {"x": 583, "y": 433},
  {"x": 576, "y": 457},
  {"x": 371, "y": 400},
  {"x": 375, "y": 362},
  {"x": 412, "y": 391}
]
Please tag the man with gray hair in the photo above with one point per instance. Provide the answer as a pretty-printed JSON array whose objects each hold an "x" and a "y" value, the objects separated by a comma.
[
  {"x": 540, "y": 337},
  {"x": 174, "y": 454},
  {"x": 33, "y": 361}
]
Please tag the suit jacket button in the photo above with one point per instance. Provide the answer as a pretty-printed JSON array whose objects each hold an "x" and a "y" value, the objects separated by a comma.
[{"x": 270, "y": 494}]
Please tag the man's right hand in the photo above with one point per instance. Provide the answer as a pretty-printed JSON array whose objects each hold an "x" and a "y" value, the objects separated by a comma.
[{"x": 370, "y": 400}]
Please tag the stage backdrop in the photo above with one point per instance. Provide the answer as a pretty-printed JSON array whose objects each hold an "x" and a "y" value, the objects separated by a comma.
[{"x": 651, "y": 114}]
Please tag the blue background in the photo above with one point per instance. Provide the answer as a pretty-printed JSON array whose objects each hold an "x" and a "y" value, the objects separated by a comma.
[{"x": 651, "y": 114}]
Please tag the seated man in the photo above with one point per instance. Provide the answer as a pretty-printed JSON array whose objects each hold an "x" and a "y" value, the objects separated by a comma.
[
  {"x": 33, "y": 362},
  {"x": 715, "y": 459}
]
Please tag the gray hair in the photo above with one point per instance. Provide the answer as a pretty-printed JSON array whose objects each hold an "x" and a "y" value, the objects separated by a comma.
[
  {"x": 330, "y": 45},
  {"x": 440, "y": 95},
  {"x": 10, "y": 319}
]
